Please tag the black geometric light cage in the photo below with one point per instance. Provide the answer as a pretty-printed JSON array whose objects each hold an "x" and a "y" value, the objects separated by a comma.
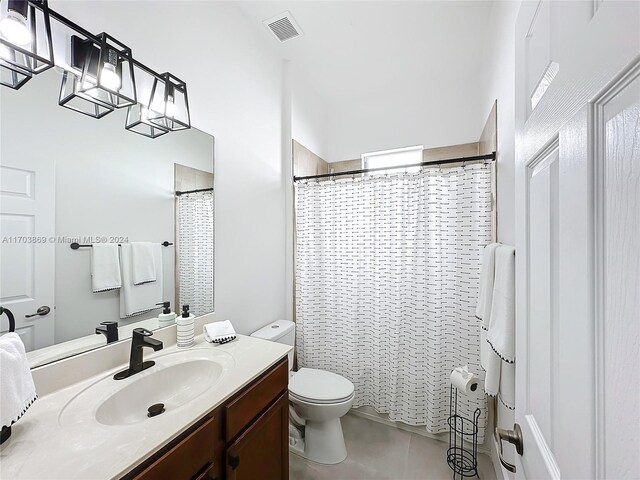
[
  {"x": 19, "y": 62},
  {"x": 138, "y": 122},
  {"x": 168, "y": 106},
  {"x": 95, "y": 61}
]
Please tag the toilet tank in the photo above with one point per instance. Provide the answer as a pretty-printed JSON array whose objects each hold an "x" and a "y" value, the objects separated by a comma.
[{"x": 280, "y": 331}]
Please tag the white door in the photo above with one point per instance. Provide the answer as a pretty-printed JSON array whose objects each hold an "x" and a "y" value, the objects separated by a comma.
[
  {"x": 27, "y": 248},
  {"x": 578, "y": 239}
]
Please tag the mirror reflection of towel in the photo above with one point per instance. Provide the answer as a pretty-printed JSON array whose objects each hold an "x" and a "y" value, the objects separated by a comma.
[
  {"x": 105, "y": 267},
  {"x": 143, "y": 262},
  {"x": 138, "y": 299}
]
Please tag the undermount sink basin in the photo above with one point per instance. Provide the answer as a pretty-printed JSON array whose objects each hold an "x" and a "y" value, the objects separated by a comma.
[{"x": 175, "y": 380}]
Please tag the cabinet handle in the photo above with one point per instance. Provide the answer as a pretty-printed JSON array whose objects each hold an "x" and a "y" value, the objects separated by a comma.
[
  {"x": 204, "y": 473},
  {"x": 234, "y": 461}
]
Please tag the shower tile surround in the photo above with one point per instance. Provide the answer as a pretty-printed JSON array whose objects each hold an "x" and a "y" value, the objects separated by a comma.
[
  {"x": 307, "y": 163},
  {"x": 428, "y": 155}
]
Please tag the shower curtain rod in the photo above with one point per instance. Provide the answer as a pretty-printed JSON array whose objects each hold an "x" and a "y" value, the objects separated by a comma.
[
  {"x": 489, "y": 156},
  {"x": 178, "y": 192}
]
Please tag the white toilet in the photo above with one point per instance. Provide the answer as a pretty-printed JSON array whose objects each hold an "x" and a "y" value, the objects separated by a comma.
[{"x": 318, "y": 400}]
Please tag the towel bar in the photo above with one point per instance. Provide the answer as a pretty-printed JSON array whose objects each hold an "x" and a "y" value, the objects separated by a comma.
[{"x": 76, "y": 245}]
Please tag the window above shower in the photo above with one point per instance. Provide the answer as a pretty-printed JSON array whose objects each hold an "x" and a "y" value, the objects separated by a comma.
[{"x": 392, "y": 159}]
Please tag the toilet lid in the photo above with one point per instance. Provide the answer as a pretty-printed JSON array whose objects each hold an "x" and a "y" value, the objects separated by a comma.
[{"x": 320, "y": 385}]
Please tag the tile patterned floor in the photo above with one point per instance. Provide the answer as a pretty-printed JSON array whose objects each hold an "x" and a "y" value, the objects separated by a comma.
[{"x": 377, "y": 451}]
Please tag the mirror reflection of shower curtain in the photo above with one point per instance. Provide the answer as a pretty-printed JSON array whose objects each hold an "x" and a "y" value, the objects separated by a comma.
[{"x": 195, "y": 252}]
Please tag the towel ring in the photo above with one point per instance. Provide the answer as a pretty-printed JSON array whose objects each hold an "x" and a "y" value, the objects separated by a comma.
[{"x": 12, "y": 320}]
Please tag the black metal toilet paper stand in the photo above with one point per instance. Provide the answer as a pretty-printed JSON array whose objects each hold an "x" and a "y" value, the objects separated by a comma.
[{"x": 463, "y": 460}]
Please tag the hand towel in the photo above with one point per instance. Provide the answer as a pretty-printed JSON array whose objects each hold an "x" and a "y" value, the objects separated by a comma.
[
  {"x": 219, "y": 332},
  {"x": 144, "y": 267},
  {"x": 507, "y": 394},
  {"x": 105, "y": 267},
  {"x": 502, "y": 324},
  {"x": 492, "y": 369},
  {"x": 18, "y": 391},
  {"x": 485, "y": 296},
  {"x": 138, "y": 299}
]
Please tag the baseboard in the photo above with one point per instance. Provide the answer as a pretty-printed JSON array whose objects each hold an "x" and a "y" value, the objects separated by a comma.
[{"x": 370, "y": 414}]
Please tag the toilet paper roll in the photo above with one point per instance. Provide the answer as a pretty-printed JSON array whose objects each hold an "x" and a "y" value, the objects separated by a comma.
[{"x": 464, "y": 380}]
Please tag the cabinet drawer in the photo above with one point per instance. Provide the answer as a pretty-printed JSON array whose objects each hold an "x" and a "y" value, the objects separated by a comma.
[
  {"x": 256, "y": 398},
  {"x": 189, "y": 456}
]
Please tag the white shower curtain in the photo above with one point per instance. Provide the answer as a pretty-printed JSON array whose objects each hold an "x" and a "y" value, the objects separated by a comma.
[
  {"x": 387, "y": 272},
  {"x": 195, "y": 252}
]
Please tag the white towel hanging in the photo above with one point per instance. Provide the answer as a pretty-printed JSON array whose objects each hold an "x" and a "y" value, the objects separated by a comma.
[
  {"x": 138, "y": 299},
  {"x": 18, "y": 391},
  {"x": 143, "y": 262},
  {"x": 105, "y": 267},
  {"x": 502, "y": 325},
  {"x": 487, "y": 275},
  {"x": 485, "y": 297}
]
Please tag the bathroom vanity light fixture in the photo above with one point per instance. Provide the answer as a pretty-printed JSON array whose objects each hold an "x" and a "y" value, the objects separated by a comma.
[
  {"x": 138, "y": 122},
  {"x": 169, "y": 104},
  {"x": 25, "y": 41},
  {"x": 99, "y": 76},
  {"x": 106, "y": 81}
]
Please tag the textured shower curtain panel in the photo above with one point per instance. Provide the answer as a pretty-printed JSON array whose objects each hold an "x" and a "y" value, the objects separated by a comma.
[
  {"x": 195, "y": 252},
  {"x": 387, "y": 273}
]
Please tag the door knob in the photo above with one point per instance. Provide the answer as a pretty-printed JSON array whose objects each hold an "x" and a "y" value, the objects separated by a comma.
[
  {"x": 514, "y": 437},
  {"x": 42, "y": 311}
]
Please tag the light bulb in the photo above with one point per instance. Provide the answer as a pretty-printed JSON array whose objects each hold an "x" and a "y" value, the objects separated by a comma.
[
  {"x": 109, "y": 78},
  {"x": 14, "y": 29},
  {"x": 170, "y": 108}
]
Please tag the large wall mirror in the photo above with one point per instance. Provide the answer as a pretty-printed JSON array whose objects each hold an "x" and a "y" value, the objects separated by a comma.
[{"x": 68, "y": 178}]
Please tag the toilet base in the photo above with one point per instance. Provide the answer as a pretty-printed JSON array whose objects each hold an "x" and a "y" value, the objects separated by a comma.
[{"x": 323, "y": 442}]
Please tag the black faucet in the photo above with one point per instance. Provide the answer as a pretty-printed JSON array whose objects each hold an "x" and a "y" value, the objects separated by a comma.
[
  {"x": 109, "y": 330},
  {"x": 140, "y": 338}
]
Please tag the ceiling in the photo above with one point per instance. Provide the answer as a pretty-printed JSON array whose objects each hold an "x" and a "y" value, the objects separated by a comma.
[{"x": 359, "y": 49}]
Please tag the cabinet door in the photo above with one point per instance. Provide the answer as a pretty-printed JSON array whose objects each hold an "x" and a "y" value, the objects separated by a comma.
[
  {"x": 262, "y": 451},
  {"x": 194, "y": 456}
]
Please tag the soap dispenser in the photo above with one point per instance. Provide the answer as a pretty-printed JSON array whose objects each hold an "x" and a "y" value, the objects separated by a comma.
[
  {"x": 186, "y": 328},
  {"x": 167, "y": 317}
]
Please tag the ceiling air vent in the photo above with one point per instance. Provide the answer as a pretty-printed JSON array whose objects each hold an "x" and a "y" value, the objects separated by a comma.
[{"x": 283, "y": 26}]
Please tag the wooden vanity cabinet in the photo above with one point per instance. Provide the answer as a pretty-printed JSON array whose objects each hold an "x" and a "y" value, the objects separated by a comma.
[
  {"x": 246, "y": 438},
  {"x": 259, "y": 452}
]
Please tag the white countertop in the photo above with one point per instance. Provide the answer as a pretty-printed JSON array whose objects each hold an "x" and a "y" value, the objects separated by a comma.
[{"x": 41, "y": 448}]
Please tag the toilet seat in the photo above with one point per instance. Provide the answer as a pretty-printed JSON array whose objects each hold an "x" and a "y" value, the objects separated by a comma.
[{"x": 320, "y": 387}]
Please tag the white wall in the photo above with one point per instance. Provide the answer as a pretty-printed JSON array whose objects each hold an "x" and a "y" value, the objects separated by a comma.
[
  {"x": 235, "y": 92},
  {"x": 405, "y": 118},
  {"x": 448, "y": 114},
  {"x": 309, "y": 122},
  {"x": 499, "y": 83}
]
